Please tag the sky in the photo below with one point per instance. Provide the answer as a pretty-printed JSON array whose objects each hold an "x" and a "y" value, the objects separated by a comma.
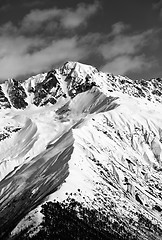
[{"x": 116, "y": 36}]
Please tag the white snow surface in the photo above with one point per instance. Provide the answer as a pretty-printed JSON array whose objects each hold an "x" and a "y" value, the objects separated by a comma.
[{"x": 106, "y": 147}]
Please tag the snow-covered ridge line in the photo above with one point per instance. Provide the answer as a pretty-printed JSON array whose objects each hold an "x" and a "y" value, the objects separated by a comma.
[{"x": 69, "y": 80}]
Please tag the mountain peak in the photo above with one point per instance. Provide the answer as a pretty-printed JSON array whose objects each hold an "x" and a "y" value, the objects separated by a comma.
[
  {"x": 69, "y": 80},
  {"x": 80, "y": 135}
]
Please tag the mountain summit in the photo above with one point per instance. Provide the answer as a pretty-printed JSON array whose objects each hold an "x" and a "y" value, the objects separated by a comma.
[
  {"x": 68, "y": 81},
  {"x": 84, "y": 143}
]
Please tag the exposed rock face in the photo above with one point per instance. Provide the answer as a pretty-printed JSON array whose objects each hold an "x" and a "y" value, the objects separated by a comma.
[
  {"x": 75, "y": 79},
  {"x": 77, "y": 133},
  {"x": 4, "y": 103},
  {"x": 16, "y": 94}
]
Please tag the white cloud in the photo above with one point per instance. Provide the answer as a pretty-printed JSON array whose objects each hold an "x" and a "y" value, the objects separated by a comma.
[
  {"x": 122, "y": 51},
  {"x": 18, "y": 45},
  {"x": 119, "y": 27},
  {"x": 125, "y": 44},
  {"x": 72, "y": 19},
  {"x": 21, "y": 62},
  {"x": 24, "y": 53},
  {"x": 124, "y": 64},
  {"x": 66, "y": 18},
  {"x": 8, "y": 29},
  {"x": 34, "y": 20}
]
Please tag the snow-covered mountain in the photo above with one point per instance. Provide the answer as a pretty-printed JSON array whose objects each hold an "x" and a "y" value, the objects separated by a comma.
[{"x": 79, "y": 133}]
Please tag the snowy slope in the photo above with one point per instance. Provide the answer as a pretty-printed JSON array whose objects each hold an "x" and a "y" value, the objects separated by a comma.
[{"x": 80, "y": 132}]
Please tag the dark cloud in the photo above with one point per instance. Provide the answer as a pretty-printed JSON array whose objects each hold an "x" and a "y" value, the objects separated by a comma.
[
  {"x": 32, "y": 4},
  {"x": 158, "y": 7},
  {"x": 5, "y": 7}
]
